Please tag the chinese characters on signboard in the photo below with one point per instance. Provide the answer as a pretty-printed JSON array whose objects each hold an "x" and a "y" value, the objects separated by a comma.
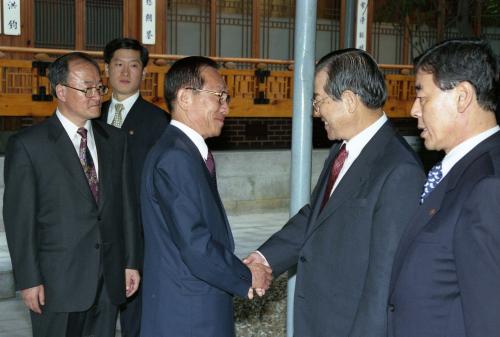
[
  {"x": 12, "y": 17},
  {"x": 361, "y": 24},
  {"x": 148, "y": 21}
]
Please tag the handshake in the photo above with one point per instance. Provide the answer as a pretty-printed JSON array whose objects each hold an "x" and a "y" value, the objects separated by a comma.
[{"x": 261, "y": 274}]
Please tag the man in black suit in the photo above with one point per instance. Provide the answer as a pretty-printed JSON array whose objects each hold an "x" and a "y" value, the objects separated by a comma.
[
  {"x": 446, "y": 274},
  {"x": 69, "y": 212},
  {"x": 344, "y": 241},
  {"x": 125, "y": 65}
]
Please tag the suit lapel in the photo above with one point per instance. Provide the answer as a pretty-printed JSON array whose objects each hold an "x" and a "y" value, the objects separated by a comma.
[
  {"x": 105, "y": 159},
  {"x": 354, "y": 178},
  {"x": 134, "y": 116},
  {"x": 211, "y": 182},
  {"x": 66, "y": 154}
]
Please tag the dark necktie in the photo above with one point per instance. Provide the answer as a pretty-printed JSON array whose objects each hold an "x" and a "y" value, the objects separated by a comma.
[
  {"x": 433, "y": 178},
  {"x": 210, "y": 162},
  {"x": 334, "y": 173},
  {"x": 88, "y": 164}
]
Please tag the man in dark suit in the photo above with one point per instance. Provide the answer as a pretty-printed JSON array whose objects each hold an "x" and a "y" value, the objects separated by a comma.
[
  {"x": 190, "y": 271},
  {"x": 343, "y": 242},
  {"x": 68, "y": 209},
  {"x": 445, "y": 280},
  {"x": 125, "y": 65}
]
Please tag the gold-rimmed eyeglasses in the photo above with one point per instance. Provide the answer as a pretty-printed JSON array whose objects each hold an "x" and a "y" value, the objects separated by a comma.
[
  {"x": 90, "y": 92},
  {"x": 317, "y": 102},
  {"x": 223, "y": 95}
]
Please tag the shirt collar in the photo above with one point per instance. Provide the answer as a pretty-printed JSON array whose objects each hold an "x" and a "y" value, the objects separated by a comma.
[
  {"x": 70, "y": 127},
  {"x": 459, "y": 151},
  {"x": 355, "y": 145},
  {"x": 195, "y": 137},
  {"x": 127, "y": 102}
]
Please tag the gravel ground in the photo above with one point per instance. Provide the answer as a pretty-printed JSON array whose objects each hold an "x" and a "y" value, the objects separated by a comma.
[{"x": 263, "y": 317}]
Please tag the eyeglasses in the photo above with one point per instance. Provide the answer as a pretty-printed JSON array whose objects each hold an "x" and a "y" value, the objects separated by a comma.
[
  {"x": 90, "y": 92},
  {"x": 223, "y": 95},
  {"x": 317, "y": 102}
]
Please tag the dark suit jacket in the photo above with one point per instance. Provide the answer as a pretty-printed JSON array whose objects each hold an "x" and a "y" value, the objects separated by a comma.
[
  {"x": 446, "y": 276},
  {"x": 190, "y": 271},
  {"x": 344, "y": 254},
  {"x": 57, "y": 235},
  {"x": 144, "y": 124}
]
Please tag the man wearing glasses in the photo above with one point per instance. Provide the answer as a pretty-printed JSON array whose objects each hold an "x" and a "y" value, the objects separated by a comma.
[
  {"x": 344, "y": 241},
  {"x": 190, "y": 270},
  {"x": 69, "y": 212}
]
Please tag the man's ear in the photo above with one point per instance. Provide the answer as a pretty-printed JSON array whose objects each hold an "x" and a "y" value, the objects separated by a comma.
[
  {"x": 61, "y": 92},
  {"x": 350, "y": 101},
  {"x": 106, "y": 69},
  {"x": 184, "y": 98},
  {"x": 466, "y": 95},
  {"x": 144, "y": 72}
]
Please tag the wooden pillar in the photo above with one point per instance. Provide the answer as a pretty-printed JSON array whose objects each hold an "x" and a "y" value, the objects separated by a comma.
[
  {"x": 256, "y": 28},
  {"x": 80, "y": 31},
  {"x": 342, "y": 23},
  {"x": 440, "y": 19},
  {"x": 132, "y": 10},
  {"x": 406, "y": 41},
  {"x": 369, "y": 26},
  {"x": 160, "y": 46},
  {"x": 213, "y": 28},
  {"x": 477, "y": 17}
]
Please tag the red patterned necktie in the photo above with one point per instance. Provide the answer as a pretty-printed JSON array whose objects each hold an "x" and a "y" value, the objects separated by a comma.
[
  {"x": 210, "y": 162},
  {"x": 334, "y": 173},
  {"x": 88, "y": 164}
]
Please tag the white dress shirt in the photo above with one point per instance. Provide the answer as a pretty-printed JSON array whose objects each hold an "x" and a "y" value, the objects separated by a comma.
[
  {"x": 356, "y": 144},
  {"x": 459, "y": 151},
  {"x": 127, "y": 105},
  {"x": 195, "y": 137},
  {"x": 71, "y": 130}
]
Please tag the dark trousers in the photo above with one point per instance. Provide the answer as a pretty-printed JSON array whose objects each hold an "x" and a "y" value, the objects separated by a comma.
[
  {"x": 130, "y": 315},
  {"x": 98, "y": 321}
]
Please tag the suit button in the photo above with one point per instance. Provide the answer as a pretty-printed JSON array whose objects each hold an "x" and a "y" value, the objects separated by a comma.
[
  {"x": 99, "y": 218},
  {"x": 97, "y": 246},
  {"x": 303, "y": 259},
  {"x": 392, "y": 307}
]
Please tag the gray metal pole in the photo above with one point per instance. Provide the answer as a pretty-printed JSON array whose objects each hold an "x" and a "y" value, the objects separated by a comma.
[
  {"x": 303, "y": 78},
  {"x": 350, "y": 17}
]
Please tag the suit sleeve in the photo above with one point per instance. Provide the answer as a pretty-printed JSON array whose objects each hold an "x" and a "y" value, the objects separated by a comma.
[
  {"x": 177, "y": 183},
  {"x": 477, "y": 253},
  {"x": 131, "y": 227},
  {"x": 19, "y": 214},
  {"x": 282, "y": 249},
  {"x": 398, "y": 200}
]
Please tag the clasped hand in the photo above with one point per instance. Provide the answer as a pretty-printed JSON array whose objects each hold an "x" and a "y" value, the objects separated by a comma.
[{"x": 261, "y": 274}]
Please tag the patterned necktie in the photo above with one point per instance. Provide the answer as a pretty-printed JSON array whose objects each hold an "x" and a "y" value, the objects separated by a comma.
[
  {"x": 334, "y": 173},
  {"x": 118, "y": 118},
  {"x": 210, "y": 162},
  {"x": 433, "y": 178},
  {"x": 88, "y": 164}
]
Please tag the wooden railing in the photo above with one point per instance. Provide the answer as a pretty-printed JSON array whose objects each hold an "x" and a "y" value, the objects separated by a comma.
[{"x": 255, "y": 92}]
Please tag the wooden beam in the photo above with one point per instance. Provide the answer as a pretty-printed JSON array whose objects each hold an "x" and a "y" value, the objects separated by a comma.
[
  {"x": 406, "y": 40},
  {"x": 256, "y": 28},
  {"x": 440, "y": 19},
  {"x": 80, "y": 24},
  {"x": 213, "y": 28}
]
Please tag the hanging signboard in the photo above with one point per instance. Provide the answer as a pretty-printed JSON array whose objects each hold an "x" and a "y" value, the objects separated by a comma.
[
  {"x": 12, "y": 17},
  {"x": 361, "y": 24},
  {"x": 148, "y": 21}
]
